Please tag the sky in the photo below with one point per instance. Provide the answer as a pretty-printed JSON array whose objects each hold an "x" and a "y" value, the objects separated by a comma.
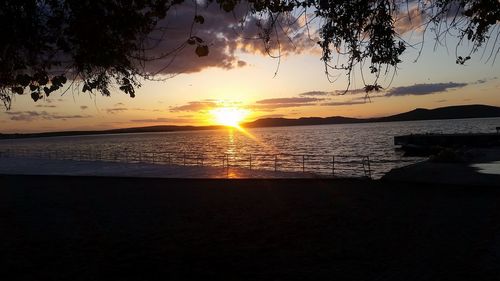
[{"x": 237, "y": 73}]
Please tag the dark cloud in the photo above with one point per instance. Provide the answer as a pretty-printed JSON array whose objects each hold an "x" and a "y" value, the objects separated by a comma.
[
  {"x": 272, "y": 106},
  {"x": 410, "y": 19},
  {"x": 162, "y": 120},
  {"x": 340, "y": 103},
  {"x": 45, "y": 106},
  {"x": 484, "y": 80},
  {"x": 424, "y": 89},
  {"x": 287, "y": 100},
  {"x": 224, "y": 33},
  {"x": 195, "y": 106},
  {"x": 42, "y": 115},
  {"x": 315, "y": 94},
  {"x": 116, "y": 110},
  {"x": 83, "y": 107},
  {"x": 350, "y": 92}
]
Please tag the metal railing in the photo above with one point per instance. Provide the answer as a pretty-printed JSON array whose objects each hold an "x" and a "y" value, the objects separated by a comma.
[{"x": 326, "y": 165}]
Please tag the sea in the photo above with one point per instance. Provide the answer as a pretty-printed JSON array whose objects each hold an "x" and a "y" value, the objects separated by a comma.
[{"x": 329, "y": 150}]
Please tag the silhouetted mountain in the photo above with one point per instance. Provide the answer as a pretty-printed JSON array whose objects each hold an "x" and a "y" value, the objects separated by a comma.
[
  {"x": 149, "y": 129},
  {"x": 274, "y": 122},
  {"x": 449, "y": 112}
]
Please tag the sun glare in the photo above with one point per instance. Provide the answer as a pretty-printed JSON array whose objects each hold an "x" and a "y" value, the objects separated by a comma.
[{"x": 229, "y": 116}]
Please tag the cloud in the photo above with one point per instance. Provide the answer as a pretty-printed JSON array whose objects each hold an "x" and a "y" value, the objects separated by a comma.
[
  {"x": 409, "y": 19},
  {"x": 45, "y": 106},
  {"x": 162, "y": 120},
  {"x": 315, "y": 94},
  {"x": 275, "y": 103},
  {"x": 484, "y": 80},
  {"x": 195, "y": 106},
  {"x": 424, "y": 89},
  {"x": 119, "y": 104},
  {"x": 29, "y": 116},
  {"x": 116, "y": 110},
  {"x": 83, "y": 107},
  {"x": 351, "y": 92},
  {"x": 440, "y": 101},
  {"x": 340, "y": 103},
  {"x": 272, "y": 107},
  {"x": 224, "y": 33},
  {"x": 287, "y": 100}
]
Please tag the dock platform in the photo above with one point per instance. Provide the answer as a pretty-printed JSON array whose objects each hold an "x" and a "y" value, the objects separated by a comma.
[{"x": 424, "y": 144}]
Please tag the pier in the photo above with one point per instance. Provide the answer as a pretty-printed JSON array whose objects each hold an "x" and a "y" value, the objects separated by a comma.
[{"x": 428, "y": 143}]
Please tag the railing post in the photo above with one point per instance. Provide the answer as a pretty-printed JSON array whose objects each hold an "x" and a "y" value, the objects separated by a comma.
[
  {"x": 250, "y": 161},
  {"x": 184, "y": 159},
  {"x": 369, "y": 169},
  {"x": 227, "y": 165},
  {"x": 303, "y": 163},
  {"x": 333, "y": 166},
  {"x": 275, "y": 162}
]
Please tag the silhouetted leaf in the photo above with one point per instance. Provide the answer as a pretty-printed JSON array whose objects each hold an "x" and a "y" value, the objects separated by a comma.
[
  {"x": 199, "y": 19},
  {"x": 202, "y": 50},
  {"x": 23, "y": 79},
  {"x": 35, "y": 96},
  {"x": 17, "y": 90}
]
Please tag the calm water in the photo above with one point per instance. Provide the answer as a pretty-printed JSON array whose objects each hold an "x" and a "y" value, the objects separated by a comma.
[{"x": 320, "y": 143}]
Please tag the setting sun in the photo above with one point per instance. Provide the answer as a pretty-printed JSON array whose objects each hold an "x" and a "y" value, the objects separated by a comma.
[{"x": 229, "y": 116}]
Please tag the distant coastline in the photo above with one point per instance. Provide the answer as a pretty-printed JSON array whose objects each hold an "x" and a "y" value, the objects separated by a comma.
[{"x": 449, "y": 112}]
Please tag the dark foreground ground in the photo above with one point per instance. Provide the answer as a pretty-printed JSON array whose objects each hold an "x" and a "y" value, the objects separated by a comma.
[{"x": 88, "y": 228}]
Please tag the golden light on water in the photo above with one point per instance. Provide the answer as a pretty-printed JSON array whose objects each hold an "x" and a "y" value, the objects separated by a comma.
[{"x": 229, "y": 116}]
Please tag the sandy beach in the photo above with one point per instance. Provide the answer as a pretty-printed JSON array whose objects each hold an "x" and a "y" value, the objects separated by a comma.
[{"x": 104, "y": 228}]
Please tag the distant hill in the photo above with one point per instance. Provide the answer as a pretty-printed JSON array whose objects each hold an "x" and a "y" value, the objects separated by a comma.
[
  {"x": 149, "y": 129},
  {"x": 449, "y": 112},
  {"x": 274, "y": 122}
]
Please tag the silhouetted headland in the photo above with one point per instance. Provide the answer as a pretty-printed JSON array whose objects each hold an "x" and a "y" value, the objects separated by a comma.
[{"x": 449, "y": 112}]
